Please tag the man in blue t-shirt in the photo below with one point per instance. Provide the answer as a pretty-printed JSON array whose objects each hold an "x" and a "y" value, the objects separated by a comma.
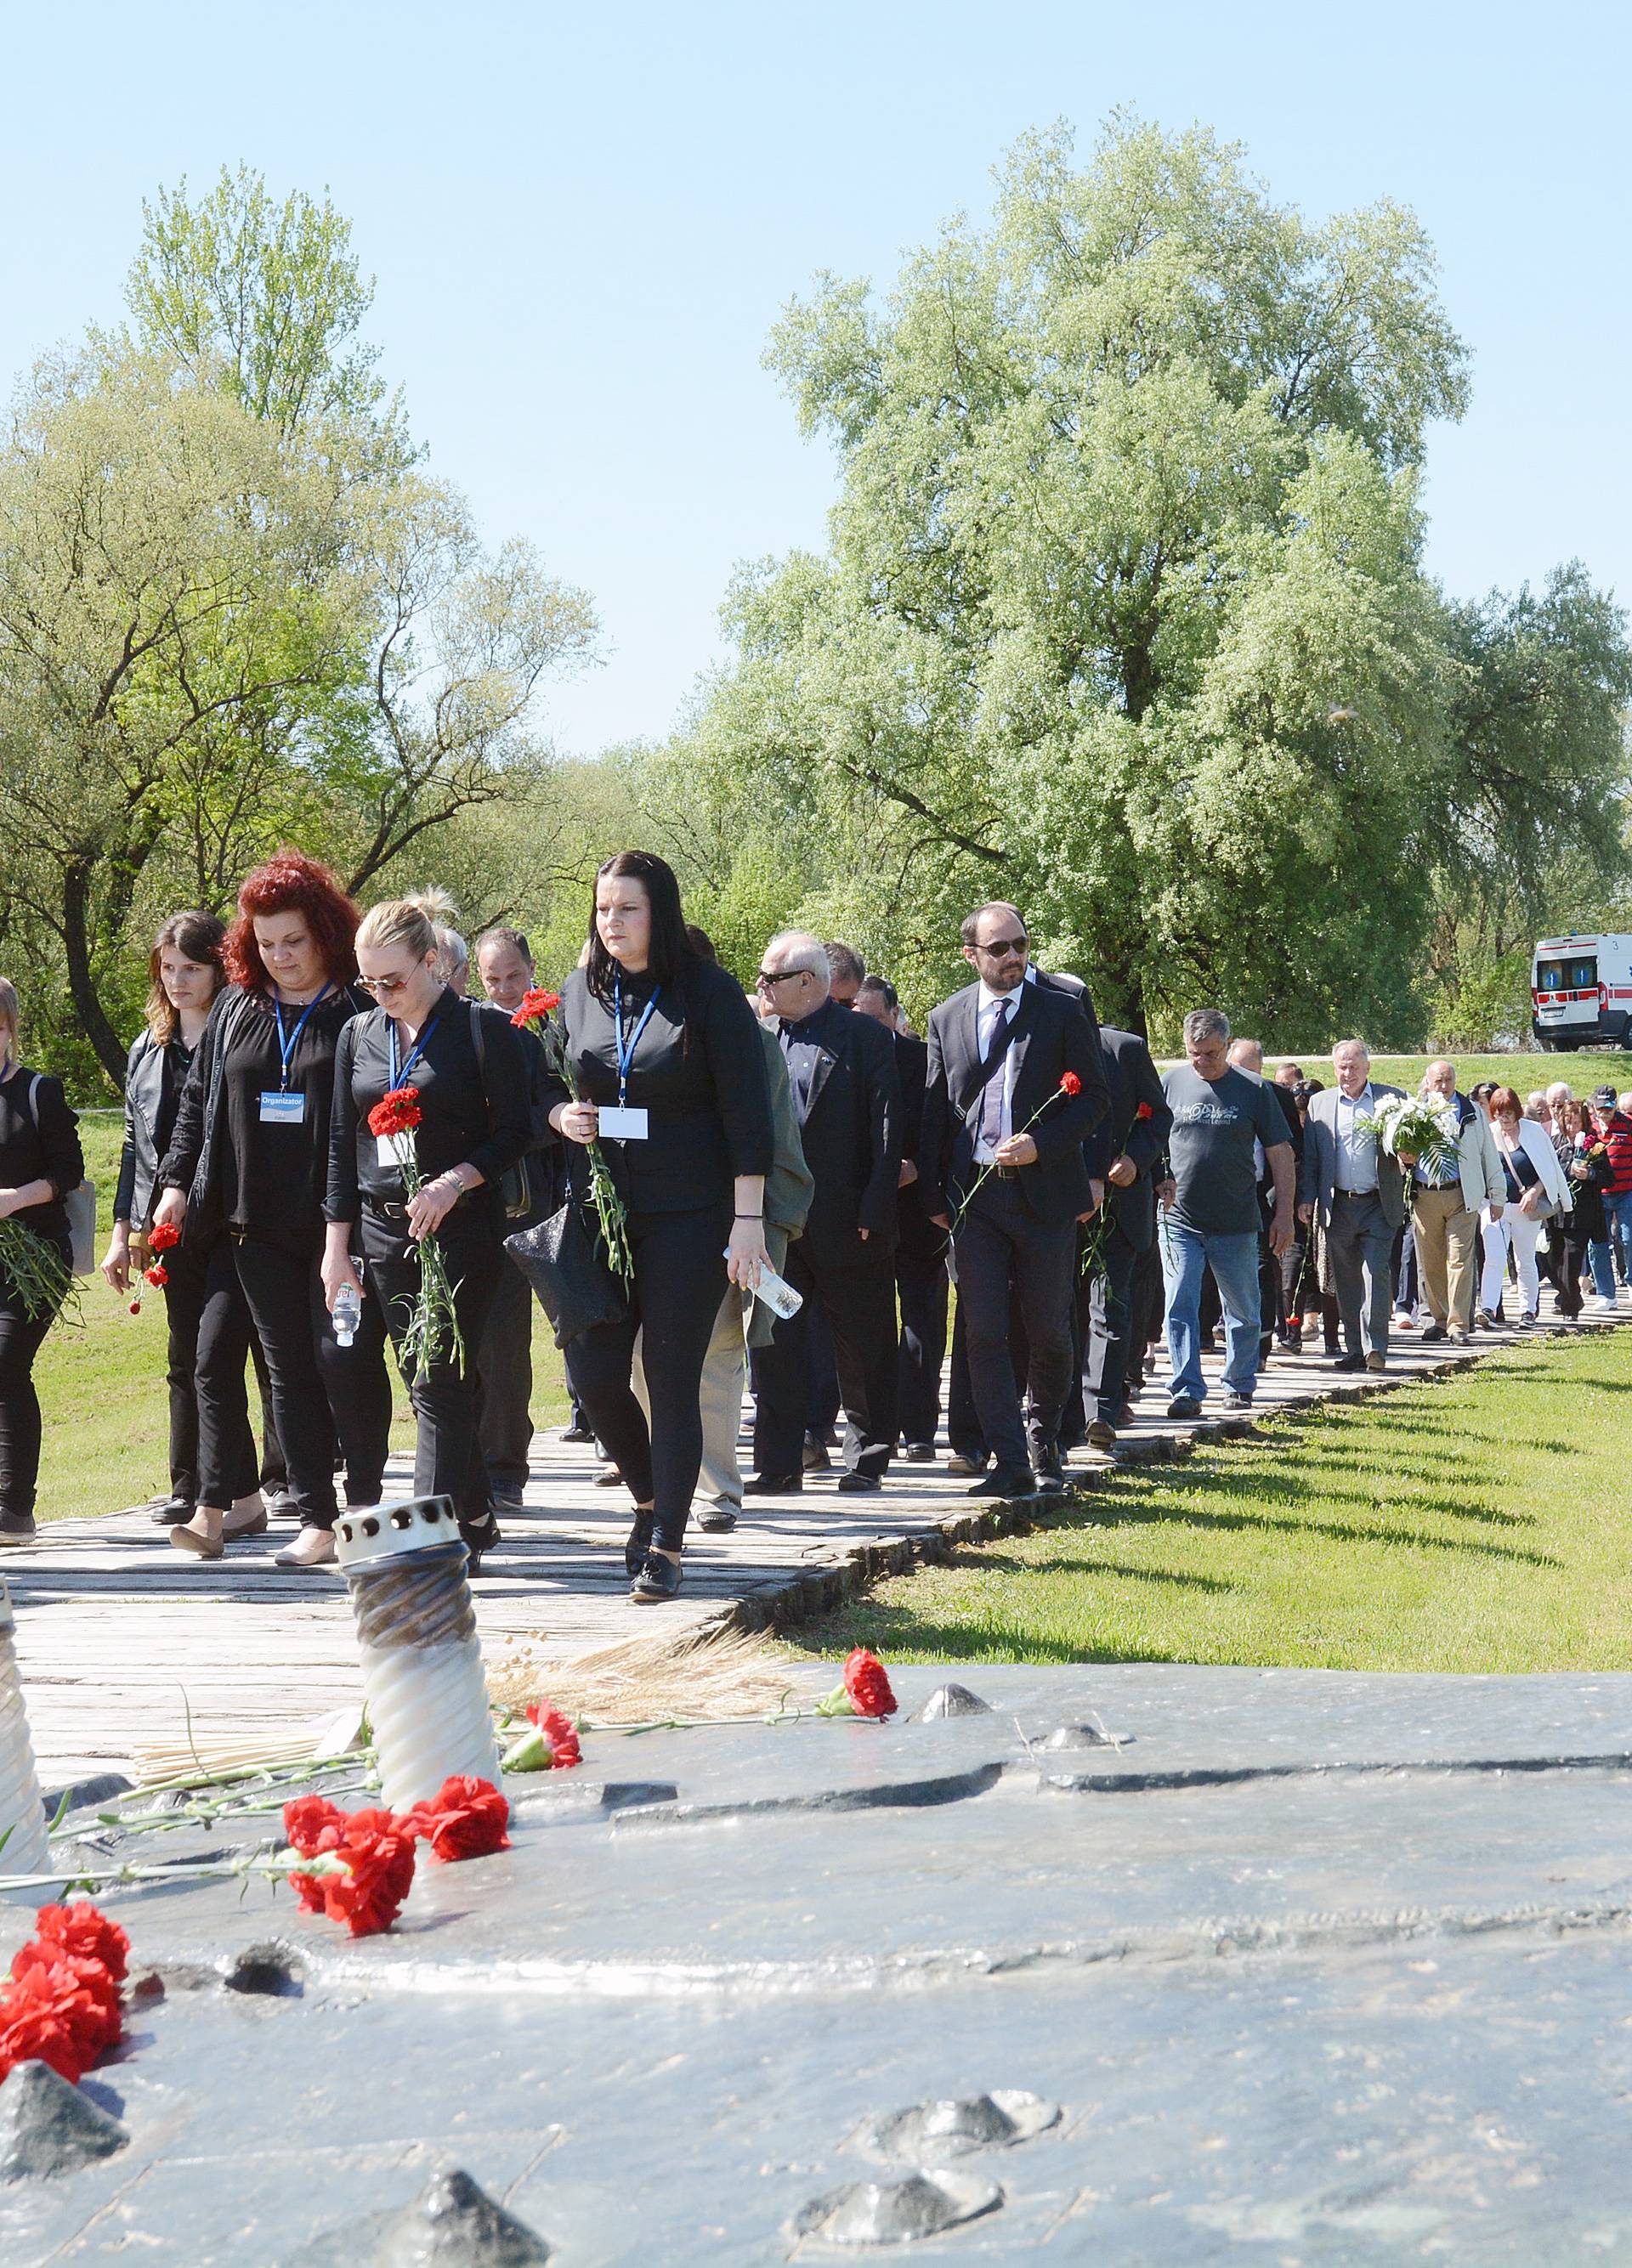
[{"x": 1225, "y": 1122}]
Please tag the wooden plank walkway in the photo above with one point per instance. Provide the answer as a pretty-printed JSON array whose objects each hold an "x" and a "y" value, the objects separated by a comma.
[{"x": 120, "y": 1636}]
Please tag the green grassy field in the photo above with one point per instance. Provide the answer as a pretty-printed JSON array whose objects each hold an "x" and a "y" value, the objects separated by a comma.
[
  {"x": 1480, "y": 1522},
  {"x": 1583, "y": 1072},
  {"x": 102, "y": 1386}
]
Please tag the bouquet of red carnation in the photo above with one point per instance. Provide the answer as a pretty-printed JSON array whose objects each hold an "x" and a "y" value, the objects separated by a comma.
[
  {"x": 61, "y": 2004},
  {"x": 865, "y": 1691},
  {"x": 355, "y": 1867},
  {"x": 611, "y": 1211},
  {"x": 435, "y": 1322},
  {"x": 536, "y": 1004}
]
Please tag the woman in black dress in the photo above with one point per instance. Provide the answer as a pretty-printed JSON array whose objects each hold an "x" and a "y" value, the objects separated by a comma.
[
  {"x": 665, "y": 1069},
  {"x": 185, "y": 977},
  {"x": 39, "y": 1162},
  {"x": 468, "y": 1067},
  {"x": 250, "y": 1156}
]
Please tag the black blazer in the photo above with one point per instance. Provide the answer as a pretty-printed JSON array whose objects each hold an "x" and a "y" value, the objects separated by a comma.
[
  {"x": 153, "y": 1094},
  {"x": 919, "y": 1238},
  {"x": 700, "y": 1069},
  {"x": 1136, "y": 1126},
  {"x": 851, "y": 1129},
  {"x": 1050, "y": 1035}
]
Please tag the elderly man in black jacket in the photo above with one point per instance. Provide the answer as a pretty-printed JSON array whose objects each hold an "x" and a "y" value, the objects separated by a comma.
[
  {"x": 841, "y": 1069},
  {"x": 1126, "y": 1147},
  {"x": 1016, "y": 1085},
  {"x": 921, "y": 1247}
]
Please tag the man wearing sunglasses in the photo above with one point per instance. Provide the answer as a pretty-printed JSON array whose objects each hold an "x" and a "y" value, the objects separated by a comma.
[{"x": 1016, "y": 1085}]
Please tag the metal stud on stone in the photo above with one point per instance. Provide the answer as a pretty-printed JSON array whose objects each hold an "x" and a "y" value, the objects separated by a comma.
[
  {"x": 47, "y": 2127},
  {"x": 25, "y": 1850},
  {"x": 405, "y": 1566},
  {"x": 953, "y": 1701},
  {"x": 897, "y": 2213},
  {"x": 954, "y": 2127},
  {"x": 454, "y": 2224},
  {"x": 1086, "y": 1736}
]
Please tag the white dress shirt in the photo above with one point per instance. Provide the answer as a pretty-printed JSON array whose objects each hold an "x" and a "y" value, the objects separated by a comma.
[
  {"x": 986, "y": 1030},
  {"x": 1356, "y": 1152}
]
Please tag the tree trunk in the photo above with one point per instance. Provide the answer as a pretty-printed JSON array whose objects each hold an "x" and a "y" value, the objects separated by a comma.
[{"x": 81, "y": 980}]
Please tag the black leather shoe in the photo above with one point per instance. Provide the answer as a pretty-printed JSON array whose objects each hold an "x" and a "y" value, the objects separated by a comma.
[
  {"x": 1101, "y": 1433},
  {"x": 920, "y": 1452},
  {"x": 170, "y": 1512},
  {"x": 772, "y": 1483},
  {"x": 658, "y": 1580},
  {"x": 637, "y": 1544},
  {"x": 717, "y": 1519},
  {"x": 858, "y": 1485},
  {"x": 1021, "y": 1481},
  {"x": 1048, "y": 1465},
  {"x": 1433, "y": 1334},
  {"x": 1349, "y": 1362},
  {"x": 1184, "y": 1405},
  {"x": 584, "y": 1433},
  {"x": 478, "y": 1540}
]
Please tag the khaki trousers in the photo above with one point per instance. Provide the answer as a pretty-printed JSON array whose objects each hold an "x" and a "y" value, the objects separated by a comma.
[{"x": 1447, "y": 1243}]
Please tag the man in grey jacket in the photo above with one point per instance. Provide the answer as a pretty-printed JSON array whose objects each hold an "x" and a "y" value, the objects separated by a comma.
[
  {"x": 1359, "y": 1193},
  {"x": 1444, "y": 1210}
]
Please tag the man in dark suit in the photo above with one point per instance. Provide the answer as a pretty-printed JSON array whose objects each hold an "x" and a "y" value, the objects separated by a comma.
[
  {"x": 846, "y": 1091},
  {"x": 1016, "y": 1085},
  {"x": 921, "y": 1246},
  {"x": 1127, "y": 1146}
]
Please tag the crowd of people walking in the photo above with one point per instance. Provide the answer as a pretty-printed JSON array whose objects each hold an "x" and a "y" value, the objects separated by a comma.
[{"x": 331, "y": 1151}]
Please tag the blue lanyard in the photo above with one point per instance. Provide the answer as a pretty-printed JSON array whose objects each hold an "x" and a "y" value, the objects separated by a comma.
[
  {"x": 286, "y": 1046},
  {"x": 627, "y": 1055},
  {"x": 397, "y": 1077}
]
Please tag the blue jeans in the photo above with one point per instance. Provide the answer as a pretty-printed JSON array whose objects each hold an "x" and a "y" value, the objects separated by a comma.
[
  {"x": 1233, "y": 1259},
  {"x": 1618, "y": 1212},
  {"x": 1603, "y": 1267}
]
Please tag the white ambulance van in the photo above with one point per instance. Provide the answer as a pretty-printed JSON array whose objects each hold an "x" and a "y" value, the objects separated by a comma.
[{"x": 1581, "y": 989}]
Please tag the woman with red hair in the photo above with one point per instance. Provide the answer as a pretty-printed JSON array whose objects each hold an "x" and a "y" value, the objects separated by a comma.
[{"x": 250, "y": 1155}]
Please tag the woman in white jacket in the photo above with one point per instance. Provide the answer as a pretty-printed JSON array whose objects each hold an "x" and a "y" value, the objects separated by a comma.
[{"x": 1535, "y": 1187}]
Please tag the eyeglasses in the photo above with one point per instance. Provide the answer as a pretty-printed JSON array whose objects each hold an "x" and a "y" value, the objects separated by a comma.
[
  {"x": 768, "y": 979},
  {"x": 384, "y": 985},
  {"x": 1001, "y": 946}
]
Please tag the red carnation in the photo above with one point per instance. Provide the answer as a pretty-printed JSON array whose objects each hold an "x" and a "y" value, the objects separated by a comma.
[
  {"x": 465, "y": 1819},
  {"x": 136, "y": 1305},
  {"x": 57, "y": 2009},
  {"x": 1069, "y": 1083},
  {"x": 559, "y": 1730},
  {"x": 865, "y": 1681},
  {"x": 82, "y": 1930},
  {"x": 1144, "y": 1111},
  {"x": 313, "y": 1825},
  {"x": 378, "y": 1852},
  {"x": 158, "y": 1275},
  {"x": 536, "y": 1002},
  {"x": 396, "y": 1113},
  {"x": 163, "y": 1236}
]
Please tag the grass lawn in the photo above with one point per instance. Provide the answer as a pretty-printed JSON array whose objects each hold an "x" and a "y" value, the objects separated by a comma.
[
  {"x": 102, "y": 1388},
  {"x": 1483, "y": 1522},
  {"x": 1593, "y": 1067}
]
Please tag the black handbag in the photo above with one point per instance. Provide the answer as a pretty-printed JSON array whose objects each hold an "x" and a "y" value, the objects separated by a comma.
[{"x": 563, "y": 1260}]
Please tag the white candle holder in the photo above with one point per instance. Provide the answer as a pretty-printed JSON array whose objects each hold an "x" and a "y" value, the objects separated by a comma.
[
  {"x": 26, "y": 1848},
  {"x": 426, "y": 1696}
]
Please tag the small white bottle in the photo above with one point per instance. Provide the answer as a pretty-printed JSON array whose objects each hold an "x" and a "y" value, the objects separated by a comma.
[
  {"x": 777, "y": 1293},
  {"x": 348, "y": 1314}
]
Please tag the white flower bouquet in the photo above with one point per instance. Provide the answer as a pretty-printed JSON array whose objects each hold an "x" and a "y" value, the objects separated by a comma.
[{"x": 1409, "y": 1127}]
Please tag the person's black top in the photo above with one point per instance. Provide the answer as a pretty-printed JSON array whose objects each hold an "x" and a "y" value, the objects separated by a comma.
[
  {"x": 1521, "y": 1171},
  {"x": 39, "y": 1141},
  {"x": 154, "y": 1077},
  {"x": 700, "y": 1069},
  {"x": 262, "y": 1178},
  {"x": 474, "y": 1106}
]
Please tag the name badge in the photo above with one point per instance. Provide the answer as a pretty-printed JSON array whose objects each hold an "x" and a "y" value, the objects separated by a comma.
[
  {"x": 621, "y": 1125},
  {"x": 394, "y": 1150},
  {"x": 282, "y": 1109}
]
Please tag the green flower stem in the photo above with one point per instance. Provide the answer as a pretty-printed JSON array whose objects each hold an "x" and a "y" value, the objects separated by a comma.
[{"x": 43, "y": 1278}]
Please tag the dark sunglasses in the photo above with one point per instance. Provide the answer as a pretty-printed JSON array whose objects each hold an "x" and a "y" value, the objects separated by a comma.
[
  {"x": 1000, "y": 946},
  {"x": 766, "y": 981}
]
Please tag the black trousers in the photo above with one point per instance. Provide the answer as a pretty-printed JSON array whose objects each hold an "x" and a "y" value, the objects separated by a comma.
[
  {"x": 999, "y": 1241},
  {"x": 860, "y": 1307},
  {"x": 188, "y": 1268},
  {"x": 962, "y": 1419},
  {"x": 446, "y": 1395},
  {"x": 1147, "y": 1299},
  {"x": 824, "y": 1399},
  {"x": 1107, "y": 1352},
  {"x": 21, "y": 1338},
  {"x": 680, "y": 1280},
  {"x": 504, "y": 1368},
  {"x": 321, "y": 1391},
  {"x": 921, "y": 1289}
]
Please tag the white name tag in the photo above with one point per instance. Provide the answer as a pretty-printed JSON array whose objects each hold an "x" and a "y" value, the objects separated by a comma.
[
  {"x": 282, "y": 1109},
  {"x": 394, "y": 1150},
  {"x": 619, "y": 1125}
]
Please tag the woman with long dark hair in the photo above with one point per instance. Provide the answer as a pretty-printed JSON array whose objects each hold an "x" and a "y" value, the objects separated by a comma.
[
  {"x": 665, "y": 1070},
  {"x": 185, "y": 975},
  {"x": 467, "y": 1066},
  {"x": 250, "y": 1156},
  {"x": 41, "y": 1161}
]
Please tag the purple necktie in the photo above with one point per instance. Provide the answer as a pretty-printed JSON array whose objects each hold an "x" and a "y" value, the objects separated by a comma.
[{"x": 991, "y": 1099}]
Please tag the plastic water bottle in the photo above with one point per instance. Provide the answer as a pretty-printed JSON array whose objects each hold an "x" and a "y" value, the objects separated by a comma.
[
  {"x": 778, "y": 1294},
  {"x": 348, "y": 1314}
]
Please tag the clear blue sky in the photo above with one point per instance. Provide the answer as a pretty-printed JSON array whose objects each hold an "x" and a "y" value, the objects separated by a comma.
[{"x": 583, "y": 228}]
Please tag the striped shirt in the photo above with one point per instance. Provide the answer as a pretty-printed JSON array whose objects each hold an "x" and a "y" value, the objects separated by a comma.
[{"x": 1617, "y": 1140}]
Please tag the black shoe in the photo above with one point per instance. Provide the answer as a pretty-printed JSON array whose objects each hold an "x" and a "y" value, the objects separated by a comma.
[
  {"x": 1021, "y": 1481},
  {"x": 814, "y": 1456},
  {"x": 858, "y": 1485},
  {"x": 608, "y": 1477},
  {"x": 508, "y": 1499},
  {"x": 477, "y": 1541},
  {"x": 1184, "y": 1405},
  {"x": 1349, "y": 1362},
  {"x": 584, "y": 1433},
  {"x": 717, "y": 1519},
  {"x": 1237, "y": 1401},
  {"x": 920, "y": 1452},
  {"x": 1101, "y": 1433},
  {"x": 772, "y": 1483},
  {"x": 1433, "y": 1334},
  {"x": 280, "y": 1502},
  {"x": 170, "y": 1512},
  {"x": 657, "y": 1581},
  {"x": 637, "y": 1544}
]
